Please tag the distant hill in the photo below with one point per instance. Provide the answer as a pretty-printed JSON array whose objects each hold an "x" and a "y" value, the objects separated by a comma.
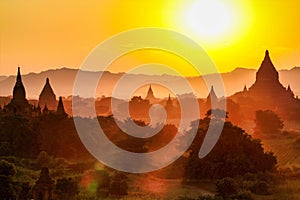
[
  {"x": 2, "y": 77},
  {"x": 62, "y": 82}
]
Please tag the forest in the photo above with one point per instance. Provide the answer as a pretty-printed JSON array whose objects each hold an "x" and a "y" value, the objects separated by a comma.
[{"x": 238, "y": 167}]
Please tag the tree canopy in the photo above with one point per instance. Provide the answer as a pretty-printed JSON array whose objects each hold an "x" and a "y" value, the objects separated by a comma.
[{"x": 235, "y": 153}]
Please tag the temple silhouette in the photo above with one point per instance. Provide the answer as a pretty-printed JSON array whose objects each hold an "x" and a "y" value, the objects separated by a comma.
[
  {"x": 267, "y": 85},
  {"x": 44, "y": 186},
  {"x": 19, "y": 104},
  {"x": 150, "y": 95},
  {"x": 47, "y": 96},
  {"x": 267, "y": 93}
]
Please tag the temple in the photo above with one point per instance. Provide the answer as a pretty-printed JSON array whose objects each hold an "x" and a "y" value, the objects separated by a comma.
[
  {"x": 150, "y": 96},
  {"x": 267, "y": 93},
  {"x": 47, "y": 96},
  {"x": 211, "y": 100},
  {"x": 60, "y": 108},
  {"x": 44, "y": 186},
  {"x": 20, "y": 105},
  {"x": 267, "y": 85}
]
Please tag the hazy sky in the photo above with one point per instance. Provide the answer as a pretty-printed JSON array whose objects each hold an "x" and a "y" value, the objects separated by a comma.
[{"x": 39, "y": 35}]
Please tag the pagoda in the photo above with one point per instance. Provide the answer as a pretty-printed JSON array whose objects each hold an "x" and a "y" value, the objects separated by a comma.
[
  {"x": 150, "y": 95},
  {"x": 44, "y": 186},
  {"x": 47, "y": 96},
  {"x": 19, "y": 104},
  {"x": 60, "y": 108},
  {"x": 267, "y": 86}
]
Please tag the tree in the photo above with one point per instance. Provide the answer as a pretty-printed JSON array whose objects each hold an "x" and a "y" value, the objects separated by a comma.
[
  {"x": 24, "y": 191},
  {"x": 216, "y": 114},
  {"x": 268, "y": 122},
  {"x": 7, "y": 189},
  {"x": 119, "y": 186},
  {"x": 56, "y": 132},
  {"x": 103, "y": 180},
  {"x": 235, "y": 153},
  {"x": 226, "y": 187},
  {"x": 7, "y": 169},
  {"x": 17, "y": 137},
  {"x": 66, "y": 189},
  {"x": 43, "y": 159}
]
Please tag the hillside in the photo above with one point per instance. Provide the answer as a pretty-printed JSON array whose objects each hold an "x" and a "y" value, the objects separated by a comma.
[{"x": 62, "y": 82}]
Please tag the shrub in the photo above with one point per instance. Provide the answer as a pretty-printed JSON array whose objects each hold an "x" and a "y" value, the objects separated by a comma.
[
  {"x": 242, "y": 195},
  {"x": 226, "y": 187},
  {"x": 260, "y": 187}
]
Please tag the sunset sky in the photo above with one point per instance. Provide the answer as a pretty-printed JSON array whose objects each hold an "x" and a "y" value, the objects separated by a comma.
[{"x": 40, "y": 35}]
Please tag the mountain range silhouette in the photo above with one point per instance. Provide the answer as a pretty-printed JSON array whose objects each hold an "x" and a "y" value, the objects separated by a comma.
[{"x": 62, "y": 81}]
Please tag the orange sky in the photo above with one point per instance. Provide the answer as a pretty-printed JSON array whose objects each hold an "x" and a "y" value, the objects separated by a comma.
[{"x": 39, "y": 35}]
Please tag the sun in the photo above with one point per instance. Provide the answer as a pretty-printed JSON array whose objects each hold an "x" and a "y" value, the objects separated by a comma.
[
  {"x": 215, "y": 23},
  {"x": 208, "y": 18}
]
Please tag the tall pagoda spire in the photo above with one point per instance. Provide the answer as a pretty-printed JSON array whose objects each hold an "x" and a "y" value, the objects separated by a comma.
[
  {"x": 212, "y": 95},
  {"x": 19, "y": 94},
  {"x": 150, "y": 95},
  {"x": 267, "y": 86},
  {"x": 19, "y": 78},
  {"x": 60, "y": 107},
  {"x": 267, "y": 71},
  {"x": 211, "y": 100},
  {"x": 169, "y": 101},
  {"x": 47, "y": 96}
]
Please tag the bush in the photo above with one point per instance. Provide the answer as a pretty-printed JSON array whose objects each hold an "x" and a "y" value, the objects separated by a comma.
[
  {"x": 235, "y": 154},
  {"x": 7, "y": 169},
  {"x": 103, "y": 184},
  {"x": 266, "y": 177},
  {"x": 242, "y": 195},
  {"x": 260, "y": 187},
  {"x": 297, "y": 144},
  {"x": 66, "y": 188},
  {"x": 119, "y": 186},
  {"x": 207, "y": 197},
  {"x": 250, "y": 177},
  {"x": 226, "y": 187}
]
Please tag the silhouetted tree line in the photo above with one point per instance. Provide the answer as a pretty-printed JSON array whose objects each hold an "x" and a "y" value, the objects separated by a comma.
[
  {"x": 26, "y": 137},
  {"x": 235, "y": 153},
  {"x": 18, "y": 136},
  {"x": 267, "y": 123},
  {"x": 134, "y": 144},
  {"x": 9, "y": 188},
  {"x": 107, "y": 183},
  {"x": 239, "y": 188}
]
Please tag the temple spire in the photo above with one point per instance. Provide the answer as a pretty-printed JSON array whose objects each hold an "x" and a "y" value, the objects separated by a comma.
[
  {"x": 150, "y": 90},
  {"x": 267, "y": 71},
  {"x": 60, "y": 107},
  {"x": 212, "y": 95},
  {"x": 169, "y": 101},
  {"x": 267, "y": 53},
  {"x": 19, "y": 78},
  {"x": 19, "y": 94},
  {"x": 150, "y": 95},
  {"x": 47, "y": 96},
  {"x": 211, "y": 100}
]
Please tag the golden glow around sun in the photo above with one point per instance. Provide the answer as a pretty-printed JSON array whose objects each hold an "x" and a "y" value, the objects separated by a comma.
[
  {"x": 209, "y": 19},
  {"x": 213, "y": 22}
]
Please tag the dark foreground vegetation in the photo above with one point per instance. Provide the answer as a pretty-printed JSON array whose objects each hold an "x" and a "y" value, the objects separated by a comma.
[{"x": 238, "y": 166}]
